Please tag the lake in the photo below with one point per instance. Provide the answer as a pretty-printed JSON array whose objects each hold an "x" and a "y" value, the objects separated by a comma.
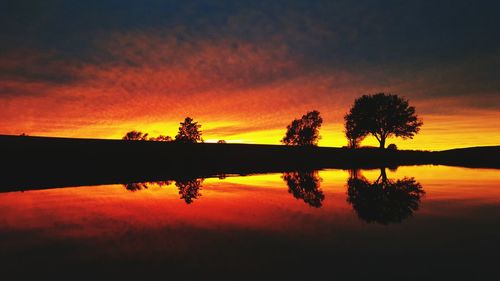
[{"x": 415, "y": 222}]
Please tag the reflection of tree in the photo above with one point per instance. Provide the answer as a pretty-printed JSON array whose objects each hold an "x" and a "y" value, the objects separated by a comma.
[
  {"x": 189, "y": 189},
  {"x": 135, "y": 186},
  {"x": 305, "y": 186},
  {"x": 383, "y": 201},
  {"x": 145, "y": 185}
]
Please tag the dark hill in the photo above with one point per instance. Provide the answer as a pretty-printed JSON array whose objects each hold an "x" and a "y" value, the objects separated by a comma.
[{"x": 46, "y": 162}]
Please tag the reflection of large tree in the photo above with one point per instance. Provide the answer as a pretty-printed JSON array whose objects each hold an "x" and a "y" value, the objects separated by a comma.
[
  {"x": 384, "y": 200},
  {"x": 189, "y": 189},
  {"x": 305, "y": 186}
]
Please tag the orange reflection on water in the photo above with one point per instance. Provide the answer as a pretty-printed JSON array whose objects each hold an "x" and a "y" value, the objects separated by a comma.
[{"x": 258, "y": 202}]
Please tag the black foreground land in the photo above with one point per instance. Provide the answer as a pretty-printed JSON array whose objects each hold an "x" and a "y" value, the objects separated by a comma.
[{"x": 42, "y": 162}]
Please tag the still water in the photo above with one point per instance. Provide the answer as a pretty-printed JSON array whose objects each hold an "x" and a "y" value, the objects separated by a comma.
[{"x": 415, "y": 222}]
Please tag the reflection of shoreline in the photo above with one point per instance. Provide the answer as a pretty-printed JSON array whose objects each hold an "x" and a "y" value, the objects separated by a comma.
[
  {"x": 305, "y": 186},
  {"x": 189, "y": 189},
  {"x": 384, "y": 200}
]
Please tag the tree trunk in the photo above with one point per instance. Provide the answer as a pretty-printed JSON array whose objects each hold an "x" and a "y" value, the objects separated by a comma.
[
  {"x": 382, "y": 142},
  {"x": 383, "y": 175}
]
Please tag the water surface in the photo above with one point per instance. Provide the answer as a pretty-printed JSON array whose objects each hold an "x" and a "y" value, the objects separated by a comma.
[{"x": 416, "y": 222}]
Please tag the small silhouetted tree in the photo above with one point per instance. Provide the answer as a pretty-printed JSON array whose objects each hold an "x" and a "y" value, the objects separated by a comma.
[
  {"x": 305, "y": 186},
  {"x": 135, "y": 135},
  {"x": 304, "y": 131},
  {"x": 383, "y": 115},
  {"x": 353, "y": 134},
  {"x": 161, "y": 138},
  {"x": 189, "y": 132},
  {"x": 221, "y": 141}
]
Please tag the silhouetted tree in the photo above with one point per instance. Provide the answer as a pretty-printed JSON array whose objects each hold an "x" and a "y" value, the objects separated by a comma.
[
  {"x": 353, "y": 134},
  {"x": 189, "y": 132},
  {"x": 221, "y": 141},
  {"x": 135, "y": 135},
  {"x": 304, "y": 131},
  {"x": 189, "y": 189},
  {"x": 161, "y": 138},
  {"x": 383, "y": 116},
  {"x": 305, "y": 186},
  {"x": 383, "y": 201}
]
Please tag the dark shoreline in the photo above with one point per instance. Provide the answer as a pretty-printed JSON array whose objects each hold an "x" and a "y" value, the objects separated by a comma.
[{"x": 43, "y": 162}]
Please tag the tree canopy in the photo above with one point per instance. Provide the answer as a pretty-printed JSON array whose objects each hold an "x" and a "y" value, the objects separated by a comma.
[
  {"x": 304, "y": 131},
  {"x": 189, "y": 131},
  {"x": 353, "y": 134},
  {"x": 382, "y": 115}
]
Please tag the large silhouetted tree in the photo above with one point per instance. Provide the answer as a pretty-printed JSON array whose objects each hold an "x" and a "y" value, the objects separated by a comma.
[
  {"x": 135, "y": 135},
  {"x": 383, "y": 115},
  {"x": 189, "y": 132},
  {"x": 304, "y": 131}
]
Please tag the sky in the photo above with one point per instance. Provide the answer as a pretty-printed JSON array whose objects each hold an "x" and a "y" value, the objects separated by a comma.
[{"x": 245, "y": 69}]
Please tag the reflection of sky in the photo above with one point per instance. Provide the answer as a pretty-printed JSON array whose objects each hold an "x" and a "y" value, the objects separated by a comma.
[
  {"x": 245, "y": 70},
  {"x": 250, "y": 202},
  {"x": 253, "y": 221}
]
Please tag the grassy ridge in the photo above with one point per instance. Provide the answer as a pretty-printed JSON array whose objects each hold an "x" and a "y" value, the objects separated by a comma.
[{"x": 46, "y": 162}]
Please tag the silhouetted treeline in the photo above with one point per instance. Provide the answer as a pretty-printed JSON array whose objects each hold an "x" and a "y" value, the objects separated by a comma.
[
  {"x": 33, "y": 162},
  {"x": 189, "y": 132},
  {"x": 380, "y": 115}
]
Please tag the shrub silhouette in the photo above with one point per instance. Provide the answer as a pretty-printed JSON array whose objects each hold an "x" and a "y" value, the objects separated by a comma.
[
  {"x": 189, "y": 132},
  {"x": 135, "y": 135},
  {"x": 161, "y": 138},
  {"x": 304, "y": 131},
  {"x": 392, "y": 147},
  {"x": 382, "y": 115}
]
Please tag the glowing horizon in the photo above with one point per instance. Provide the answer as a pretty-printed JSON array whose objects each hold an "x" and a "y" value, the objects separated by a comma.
[{"x": 245, "y": 71}]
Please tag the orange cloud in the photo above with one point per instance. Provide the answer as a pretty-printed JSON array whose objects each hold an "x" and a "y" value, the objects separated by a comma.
[{"x": 237, "y": 90}]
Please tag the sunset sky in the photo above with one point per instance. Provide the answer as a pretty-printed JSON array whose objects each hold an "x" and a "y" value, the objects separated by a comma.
[{"x": 246, "y": 69}]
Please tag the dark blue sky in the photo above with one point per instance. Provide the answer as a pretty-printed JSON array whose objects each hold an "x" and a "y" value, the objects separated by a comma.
[{"x": 376, "y": 32}]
